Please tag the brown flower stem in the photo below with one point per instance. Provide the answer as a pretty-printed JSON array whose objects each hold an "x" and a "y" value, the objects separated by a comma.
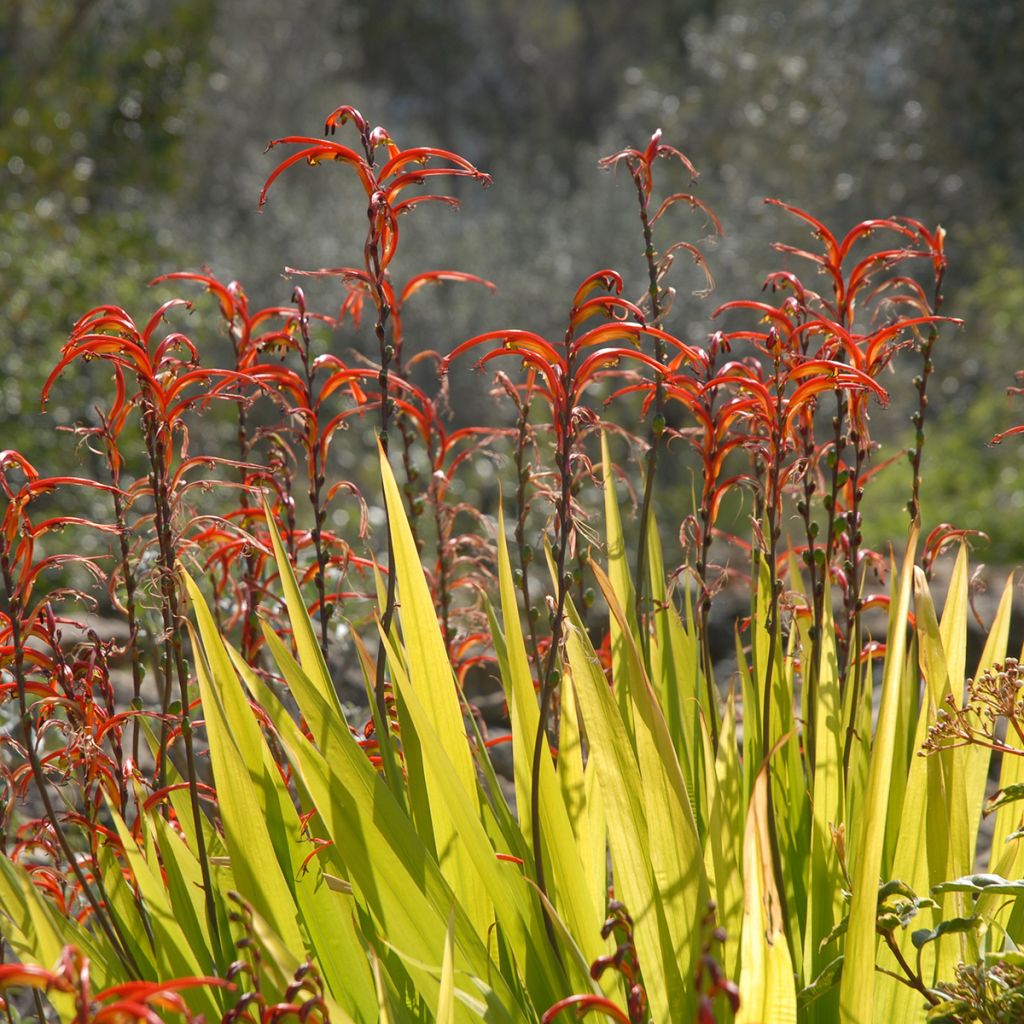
[
  {"x": 443, "y": 528},
  {"x": 157, "y": 451},
  {"x": 563, "y": 582},
  {"x": 703, "y": 609},
  {"x": 772, "y": 510},
  {"x": 443, "y": 517},
  {"x": 831, "y": 500},
  {"x": 386, "y": 352},
  {"x": 704, "y": 636},
  {"x": 912, "y": 979},
  {"x": 249, "y": 589},
  {"x": 772, "y": 618},
  {"x": 805, "y": 511},
  {"x": 411, "y": 473},
  {"x": 134, "y": 649},
  {"x": 852, "y": 597},
  {"x": 107, "y": 923},
  {"x": 289, "y": 513},
  {"x": 658, "y": 425},
  {"x": 250, "y": 583},
  {"x": 317, "y": 477},
  {"x": 523, "y": 476},
  {"x": 918, "y": 418}
]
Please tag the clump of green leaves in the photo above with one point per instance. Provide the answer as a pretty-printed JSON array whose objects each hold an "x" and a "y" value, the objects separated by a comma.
[{"x": 231, "y": 819}]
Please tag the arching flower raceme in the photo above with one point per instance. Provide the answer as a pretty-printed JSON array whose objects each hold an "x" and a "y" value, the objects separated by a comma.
[{"x": 384, "y": 184}]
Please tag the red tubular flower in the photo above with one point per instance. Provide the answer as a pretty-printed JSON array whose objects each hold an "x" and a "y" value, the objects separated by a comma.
[
  {"x": 383, "y": 185},
  {"x": 639, "y": 162}
]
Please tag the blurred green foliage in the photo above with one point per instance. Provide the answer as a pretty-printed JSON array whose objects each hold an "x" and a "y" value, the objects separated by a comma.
[
  {"x": 965, "y": 480},
  {"x": 94, "y": 105}
]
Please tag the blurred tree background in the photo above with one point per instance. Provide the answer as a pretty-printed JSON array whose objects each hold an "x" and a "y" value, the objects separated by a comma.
[{"x": 132, "y": 136}]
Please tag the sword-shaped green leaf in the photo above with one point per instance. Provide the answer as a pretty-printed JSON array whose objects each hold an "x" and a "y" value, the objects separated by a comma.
[{"x": 857, "y": 987}]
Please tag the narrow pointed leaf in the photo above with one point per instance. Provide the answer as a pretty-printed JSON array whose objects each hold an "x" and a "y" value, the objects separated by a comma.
[{"x": 857, "y": 988}]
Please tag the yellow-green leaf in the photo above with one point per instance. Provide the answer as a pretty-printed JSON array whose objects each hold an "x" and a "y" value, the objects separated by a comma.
[
  {"x": 767, "y": 989},
  {"x": 857, "y": 986}
]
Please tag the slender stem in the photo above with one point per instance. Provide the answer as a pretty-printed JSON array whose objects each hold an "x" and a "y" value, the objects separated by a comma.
[
  {"x": 289, "y": 511},
  {"x": 316, "y": 474},
  {"x": 411, "y": 472},
  {"x": 772, "y": 510},
  {"x": 913, "y": 979},
  {"x": 167, "y": 620},
  {"x": 812, "y": 671},
  {"x": 134, "y": 649},
  {"x": 443, "y": 528},
  {"x": 772, "y": 618},
  {"x": 156, "y": 445},
  {"x": 443, "y": 517},
  {"x": 106, "y": 921},
  {"x": 772, "y": 513},
  {"x": 1017, "y": 729},
  {"x": 250, "y": 590},
  {"x": 972, "y": 738},
  {"x": 831, "y": 500},
  {"x": 386, "y": 352},
  {"x": 523, "y": 476},
  {"x": 853, "y": 600},
  {"x": 408, "y": 436},
  {"x": 703, "y": 609},
  {"x": 563, "y": 581},
  {"x": 918, "y": 419},
  {"x": 550, "y": 680},
  {"x": 704, "y": 635},
  {"x": 658, "y": 425}
]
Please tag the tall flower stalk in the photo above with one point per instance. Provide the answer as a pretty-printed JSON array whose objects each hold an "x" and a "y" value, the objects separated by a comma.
[
  {"x": 169, "y": 384},
  {"x": 383, "y": 184},
  {"x": 934, "y": 244},
  {"x": 563, "y": 373},
  {"x": 19, "y": 572},
  {"x": 655, "y": 304}
]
